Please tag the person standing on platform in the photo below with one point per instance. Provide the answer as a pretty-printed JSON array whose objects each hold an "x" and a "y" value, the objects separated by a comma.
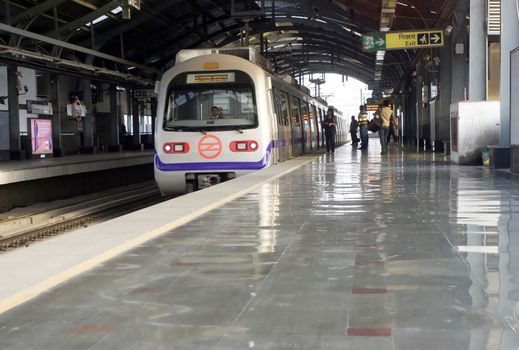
[
  {"x": 354, "y": 125},
  {"x": 393, "y": 127},
  {"x": 385, "y": 115},
  {"x": 329, "y": 131},
  {"x": 363, "y": 127}
]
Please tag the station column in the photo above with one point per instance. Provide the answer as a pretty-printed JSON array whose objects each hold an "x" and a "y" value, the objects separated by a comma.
[
  {"x": 56, "y": 114},
  {"x": 115, "y": 139},
  {"x": 458, "y": 62},
  {"x": 477, "y": 51},
  {"x": 14, "y": 114},
  {"x": 509, "y": 41},
  {"x": 135, "y": 120},
  {"x": 88, "y": 122}
]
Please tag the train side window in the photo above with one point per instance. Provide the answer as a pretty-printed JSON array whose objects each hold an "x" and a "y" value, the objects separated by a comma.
[
  {"x": 304, "y": 112},
  {"x": 294, "y": 111},
  {"x": 285, "y": 113},
  {"x": 277, "y": 106}
]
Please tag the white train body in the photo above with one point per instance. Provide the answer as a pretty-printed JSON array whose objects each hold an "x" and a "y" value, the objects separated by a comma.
[{"x": 261, "y": 120}]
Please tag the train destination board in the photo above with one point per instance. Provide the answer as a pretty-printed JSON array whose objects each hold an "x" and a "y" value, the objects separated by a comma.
[{"x": 402, "y": 40}]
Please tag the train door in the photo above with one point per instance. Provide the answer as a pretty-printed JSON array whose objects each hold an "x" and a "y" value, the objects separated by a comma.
[
  {"x": 321, "y": 129},
  {"x": 305, "y": 122},
  {"x": 297, "y": 129},
  {"x": 313, "y": 127},
  {"x": 283, "y": 120}
]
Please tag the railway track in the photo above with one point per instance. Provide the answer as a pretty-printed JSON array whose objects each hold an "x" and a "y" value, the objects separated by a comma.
[{"x": 21, "y": 231}]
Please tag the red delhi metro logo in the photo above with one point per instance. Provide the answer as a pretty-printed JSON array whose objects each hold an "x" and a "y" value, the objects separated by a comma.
[{"x": 210, "y": 147}]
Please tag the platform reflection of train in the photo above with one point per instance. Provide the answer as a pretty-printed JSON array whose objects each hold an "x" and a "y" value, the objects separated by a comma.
[{"x": 221, "y": 114}]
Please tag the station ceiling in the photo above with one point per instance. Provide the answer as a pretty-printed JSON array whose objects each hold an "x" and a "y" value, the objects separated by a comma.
[{"x": 101, "y": 38}]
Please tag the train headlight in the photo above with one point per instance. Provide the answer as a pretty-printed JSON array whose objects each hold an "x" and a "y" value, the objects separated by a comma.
[
  {"x": 176, "y": 147},
  {"x": 244, "y": 146}
]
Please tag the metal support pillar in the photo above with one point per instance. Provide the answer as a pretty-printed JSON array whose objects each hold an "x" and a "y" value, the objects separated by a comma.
[
  {"x": 115, "y": 140},
  {"x": 478, "y": 52},
  {"x": 509, "y": 41},
  {"x": 458, "y": 62},
  {"x": 14, "y": 114},
  {"x": 154, "y": 103},
  {"x": 444, "y": 86},
  {"x": 88, "y": 121},
  {"x": 56, "y": 114},
  {"x": 419, "y": 102},
  {"x": 136, "y": 140}
]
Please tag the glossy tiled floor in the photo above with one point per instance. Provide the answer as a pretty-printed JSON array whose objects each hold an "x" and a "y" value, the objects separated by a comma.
[{"x": 352, "y": 251}]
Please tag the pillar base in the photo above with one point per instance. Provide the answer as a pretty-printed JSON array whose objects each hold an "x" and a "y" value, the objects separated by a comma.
[
  {"x": 5, "y": 155},
  {"x": 514, "y": 159},
  {"x": 499, "y": 156},
  {"x": 137, "y": 147},
  {"x": 115, "y": 148},
  {"x": 58, "y": 152},
  {"x": 18, "y": 155},
  {"x": 87, "y": 150}
]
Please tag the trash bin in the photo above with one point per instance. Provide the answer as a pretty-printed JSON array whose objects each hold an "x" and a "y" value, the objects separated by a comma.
[{"x": 485, "y": 156}]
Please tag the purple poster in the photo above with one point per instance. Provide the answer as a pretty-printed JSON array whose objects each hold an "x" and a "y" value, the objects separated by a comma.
[{"x": 41, "y": 136}]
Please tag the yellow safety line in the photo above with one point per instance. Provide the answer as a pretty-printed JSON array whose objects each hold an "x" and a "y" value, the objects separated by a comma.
[{"x": 30, "y": 293}]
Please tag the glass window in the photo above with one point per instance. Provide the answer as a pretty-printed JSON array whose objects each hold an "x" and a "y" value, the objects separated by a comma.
[
  {"x": 285, "y": 113},
  {"x": 211, "y": 101},
  {"x": 294, "y": 111},
  {"x": 305, "y": 112}
]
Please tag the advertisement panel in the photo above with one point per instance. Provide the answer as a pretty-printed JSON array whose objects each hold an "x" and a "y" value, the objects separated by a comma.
[{"x": 40, "y": 137}]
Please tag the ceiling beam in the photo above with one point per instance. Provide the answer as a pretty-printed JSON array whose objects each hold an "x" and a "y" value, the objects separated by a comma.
[{"x": 55, "y": 42}]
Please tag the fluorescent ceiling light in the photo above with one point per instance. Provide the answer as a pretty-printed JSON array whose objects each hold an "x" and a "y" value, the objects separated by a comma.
[
  {"x": 116, "y": 10},
  {"x": 97, "y": 20},
  {"x": 478, "y": 249}
]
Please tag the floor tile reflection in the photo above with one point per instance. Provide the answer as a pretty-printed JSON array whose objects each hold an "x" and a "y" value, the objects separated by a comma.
[{"x": 353, "y": 251}]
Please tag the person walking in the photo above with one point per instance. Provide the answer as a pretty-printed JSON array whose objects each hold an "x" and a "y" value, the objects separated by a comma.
[
  {"x": 329, "y": 131},
  {"x": 354, "y": 125},
  {"x": 385, "y": 115},
  {"x": 363, "y": 127}
]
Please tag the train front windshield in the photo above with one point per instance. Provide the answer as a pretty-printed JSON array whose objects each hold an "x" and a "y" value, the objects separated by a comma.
[{"x": 211, "y": 101}]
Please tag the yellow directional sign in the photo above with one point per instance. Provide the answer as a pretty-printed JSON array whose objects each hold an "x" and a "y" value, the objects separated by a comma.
[
  {"x": 415, "y": 39},
  {"x": 402, "y": 40}
]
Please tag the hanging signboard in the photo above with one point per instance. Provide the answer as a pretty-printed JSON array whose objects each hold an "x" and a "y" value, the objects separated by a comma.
[
  {"x": 144, "y": 94},
  {"x": 403, "y": 40},
  {"x": 39, "y": 107},
  {"x": 380, "y": 85}
]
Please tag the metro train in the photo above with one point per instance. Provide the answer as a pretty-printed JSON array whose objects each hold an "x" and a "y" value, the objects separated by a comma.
[{"x": 222, "y": 114}]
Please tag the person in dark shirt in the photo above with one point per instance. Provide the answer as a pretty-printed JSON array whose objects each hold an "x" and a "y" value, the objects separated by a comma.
[
  {"x": 330, "y": 130},
  {"x": 354, "y": 125}
]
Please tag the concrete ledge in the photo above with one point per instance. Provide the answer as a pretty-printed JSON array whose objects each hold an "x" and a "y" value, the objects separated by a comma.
[
  {"x": 499, "y": 156},
  {"x": 40, "y": 169},
  {"x": 514, "y": 159}
]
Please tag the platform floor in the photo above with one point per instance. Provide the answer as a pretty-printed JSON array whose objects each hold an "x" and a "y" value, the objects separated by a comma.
[
  {"x": 33, "y": 169},
  {"x": 350, "y": 251}
]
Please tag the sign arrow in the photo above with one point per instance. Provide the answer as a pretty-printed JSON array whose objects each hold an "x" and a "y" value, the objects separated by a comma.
[
  {"x": 380, "y": 42},
  {"x": 435, "y": 38}
]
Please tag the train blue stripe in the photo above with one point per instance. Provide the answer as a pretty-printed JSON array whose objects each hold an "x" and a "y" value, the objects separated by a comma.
[{"x": 212, "y": 166}]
